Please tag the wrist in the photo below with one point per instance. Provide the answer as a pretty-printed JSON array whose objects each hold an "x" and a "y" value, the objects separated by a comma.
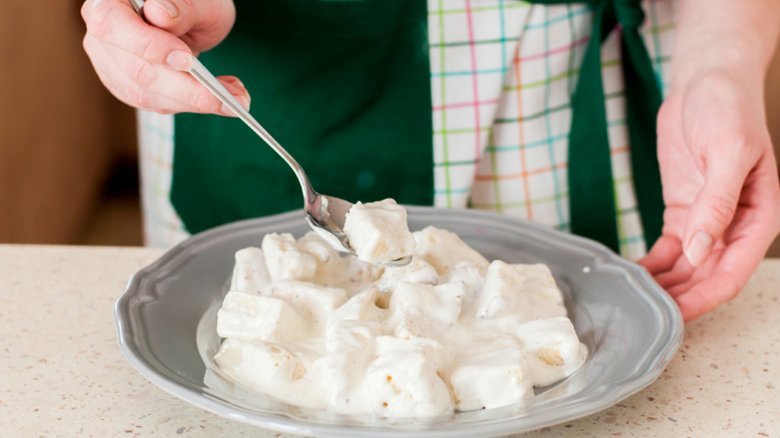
[
  {"x": 735, "y": 38},
  {"x": 736, "y": 58}
]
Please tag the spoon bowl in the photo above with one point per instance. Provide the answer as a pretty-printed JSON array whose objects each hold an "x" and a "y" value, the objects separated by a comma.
[{"x": 326, "y": 216}]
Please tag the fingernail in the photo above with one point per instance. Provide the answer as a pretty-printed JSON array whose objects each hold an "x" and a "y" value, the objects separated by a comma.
[
  {"x": 167, "y": 6},
  {"x": 698, "y": 248},
  {"x": 179, "y": 59}
]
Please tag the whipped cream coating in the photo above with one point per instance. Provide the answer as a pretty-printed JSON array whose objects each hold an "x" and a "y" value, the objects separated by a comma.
[{"x": 449, "y": 331}]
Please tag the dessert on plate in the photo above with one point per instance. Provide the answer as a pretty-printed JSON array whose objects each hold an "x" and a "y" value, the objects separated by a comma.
[{"x": 450, "y": 331}]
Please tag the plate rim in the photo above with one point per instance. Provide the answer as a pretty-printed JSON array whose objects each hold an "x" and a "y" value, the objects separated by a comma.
[{"x": 270, "y": 421}]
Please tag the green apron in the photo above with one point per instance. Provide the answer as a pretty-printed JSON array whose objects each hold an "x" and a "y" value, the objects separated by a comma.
[{"x": 345, "y": 86}]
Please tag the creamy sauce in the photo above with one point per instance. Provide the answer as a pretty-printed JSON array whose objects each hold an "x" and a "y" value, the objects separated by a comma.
[{"x": 317, "y": 329}]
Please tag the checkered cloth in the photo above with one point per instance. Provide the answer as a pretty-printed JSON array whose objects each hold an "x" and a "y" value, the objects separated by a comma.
[{"x": 502, "y": 75}]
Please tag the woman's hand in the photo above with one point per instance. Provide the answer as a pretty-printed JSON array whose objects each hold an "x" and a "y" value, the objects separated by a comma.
[
  {"x": 720, "y": 187},
  {"x": 144, "y": 65},
  {"x": 718, "y": 169}
]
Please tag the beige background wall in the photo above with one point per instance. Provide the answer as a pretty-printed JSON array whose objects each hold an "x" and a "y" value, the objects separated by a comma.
[
  {"x": 59, "y": 130},
  {"x": 773, "y": 118},
  {"x": 773, "y": 101},
  {"x": 53, "y": 124}
]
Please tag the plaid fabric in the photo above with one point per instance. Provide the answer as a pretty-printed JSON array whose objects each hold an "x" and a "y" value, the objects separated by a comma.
[
  {"x": 162, "y": 226},
  {"x": 502, "y": 73},
  {"x": 502, "y": 76}
]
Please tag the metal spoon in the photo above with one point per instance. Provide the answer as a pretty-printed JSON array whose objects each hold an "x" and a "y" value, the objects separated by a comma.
[{"x": 325, "y": 214}]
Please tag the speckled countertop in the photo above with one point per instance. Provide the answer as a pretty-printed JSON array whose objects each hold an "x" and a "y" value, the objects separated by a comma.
[{"x": 62, "y": 374}]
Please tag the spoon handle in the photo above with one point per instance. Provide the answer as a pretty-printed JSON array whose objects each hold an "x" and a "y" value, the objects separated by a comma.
[{"x": 204, "y": 76}]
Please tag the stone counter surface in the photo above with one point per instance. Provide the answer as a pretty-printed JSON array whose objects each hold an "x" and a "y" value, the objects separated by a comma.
[{"x": 62, "y": 374}]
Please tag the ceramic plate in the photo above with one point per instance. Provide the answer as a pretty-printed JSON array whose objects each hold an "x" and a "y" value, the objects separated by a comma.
[{"x": 166, "y": 327}]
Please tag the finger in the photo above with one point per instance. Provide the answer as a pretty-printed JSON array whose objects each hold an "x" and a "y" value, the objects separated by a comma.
[
  {"x": 153, "y": 87},
  {"x": 713, "y": 209},
  {"x": 117, "y": 24},
  {"x": 662, "y": 255},
  {"x": 201, "y": 24},
  {"x": 115, "y": 79},
  {"x": 723, "y": 283},
  {"x": 179, "y": 87},
  {"x": 754, "y": 229},
  {"x": 196, "y": 98},
  {"x": 700, "y": 274},
  {"x": 707, "y": 295},
  {"x": 238, "y": 90},
  {"x": 680, "y": 273},
  {"x": 680, "y": 289}
]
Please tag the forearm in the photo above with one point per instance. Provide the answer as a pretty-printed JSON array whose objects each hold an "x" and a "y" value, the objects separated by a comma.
[{"x": 737, "y": 36}]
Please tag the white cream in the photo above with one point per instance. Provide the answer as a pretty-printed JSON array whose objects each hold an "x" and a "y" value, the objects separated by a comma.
[
  {"x": 449, "y": 331},
  {"x": 378, "y": 231}
]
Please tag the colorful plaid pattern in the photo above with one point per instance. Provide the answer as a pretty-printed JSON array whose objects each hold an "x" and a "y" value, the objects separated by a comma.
[
  {"x": 162, "y": 226},
  {"x": 502, "y": 73},
  {"x": 502, "y": 77}
]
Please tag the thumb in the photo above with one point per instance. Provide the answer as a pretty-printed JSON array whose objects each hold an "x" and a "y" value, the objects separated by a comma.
[
  {"x": 714, "y": 207},
  {"x": 202, "y": 24}
]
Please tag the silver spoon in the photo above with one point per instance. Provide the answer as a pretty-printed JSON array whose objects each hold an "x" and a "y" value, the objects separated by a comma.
[{"x": 325, "y": 214}]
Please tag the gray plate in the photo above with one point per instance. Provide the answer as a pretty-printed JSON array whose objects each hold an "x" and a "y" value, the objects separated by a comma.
[{"x": 165, "y": 323}]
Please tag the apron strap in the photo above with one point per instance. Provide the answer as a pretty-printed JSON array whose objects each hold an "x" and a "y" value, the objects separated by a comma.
[{"x": 591, "y": 189}]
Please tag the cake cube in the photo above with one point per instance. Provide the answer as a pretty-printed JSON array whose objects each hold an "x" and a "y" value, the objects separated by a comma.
[
  {"x": 378, "y": 231},
  {"x": 259, "y": 365},
  {"x": 250, "y": 273},
  {"x": 552, "y": 349},
  {"x": 403, "y": 380},
  {"x": 492, "y": 377},
  {"x": 444, "y": 249},
  {"x": 250, "y": 317},
  {"x": 285, "y": 261}
]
